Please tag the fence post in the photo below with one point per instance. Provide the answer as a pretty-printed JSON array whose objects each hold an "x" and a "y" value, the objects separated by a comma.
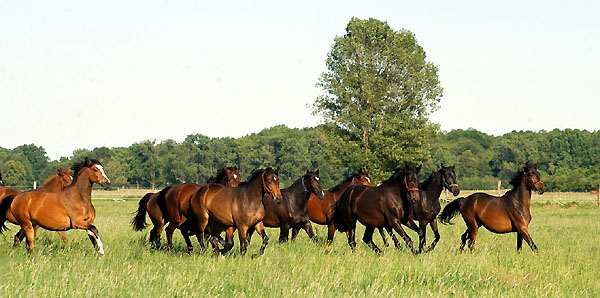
[
  {"x": 598, "y": 195},
  {"x": 34, "y": 184},
  {"x": 499, "y": 183}
]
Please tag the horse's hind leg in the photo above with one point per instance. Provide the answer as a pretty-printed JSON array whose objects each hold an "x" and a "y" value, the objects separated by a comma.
[
  {"x": 463, "y": 239},
  {"x": 19, "y": 237},
  {"x": 30, "y": 234},
  {"x": 368, "y": 239},
  {"x": 330, "y": 233},
  {"x": 284, "y": 232},
  {"x": 472, "y": 229},
  {"x": 242, "y": 234},
  {"x": 169, "y": 231},
  {"x": 228, "y": 244},
  {"x": 519, "y": 242},
  {"x": 351, "y": 238},
  {"x": 436, "y": 234},
  {"x": 385, "y": 242},
  {"x": 95, "y": 238}
]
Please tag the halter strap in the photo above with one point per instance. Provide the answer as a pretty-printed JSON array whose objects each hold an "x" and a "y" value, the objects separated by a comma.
[
  {"x": 406, "y": 184},
  {"x": 265, "y": 187},
  {"x": 449, "y": 185},
  {"x": 304, "y": 186}
]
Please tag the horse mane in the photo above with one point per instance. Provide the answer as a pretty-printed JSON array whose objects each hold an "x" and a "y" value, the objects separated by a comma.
[
  {"x": 220, "y": 175},
  {"x": 254, "y": 175},
  {"x": 516, "y": 179},
  {"x": 50, "y": 178},
  {"x": 76, "y": 167},
  {"x": 339, "y": 186},
  {"x": 397, "y": 172},
  {"x": 428, "y": 181}
]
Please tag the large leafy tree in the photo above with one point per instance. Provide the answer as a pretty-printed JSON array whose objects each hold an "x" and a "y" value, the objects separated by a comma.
[{"x": 379, "y": 91}]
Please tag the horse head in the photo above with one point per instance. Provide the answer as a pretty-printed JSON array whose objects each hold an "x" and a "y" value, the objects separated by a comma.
[
  {"x": 270, "y": 181},
  {"x": 312, "y": 183},
  {"x": 533, "y": 178},
  {"x": 449, "y": 179}
]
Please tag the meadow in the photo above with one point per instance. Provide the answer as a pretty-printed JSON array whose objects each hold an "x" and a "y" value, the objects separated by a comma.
[{"x": 567, "y": 264}]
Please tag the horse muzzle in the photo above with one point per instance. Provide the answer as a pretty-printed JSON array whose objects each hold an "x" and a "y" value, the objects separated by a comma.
[
  {"x": 540, "y": 187},
  {"x": 414, "y": 196},
  {"x": 276, "y": 195},
  {"x": 455, "y": 191},
  {"x": 105, "y": 184}
]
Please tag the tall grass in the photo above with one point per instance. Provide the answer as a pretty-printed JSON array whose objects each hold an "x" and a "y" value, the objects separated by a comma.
[{"x": 567, "y": 264}]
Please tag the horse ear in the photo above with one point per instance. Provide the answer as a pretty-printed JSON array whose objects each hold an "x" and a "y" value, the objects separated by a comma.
[
  {"x": 101, "y": 160},
  {"x": 535, "y": 166},
  {"x": 59, "y": 171},
  {"x": 453, "y": 167},
  {"x": 307, "y": 171},
  {"x": 368, "y": 172},
  {"x": 87, "y": 161},
  {"x": 442, "y": 164},
  {"x": 526, "y": 165},
  {"x": 69, "y": 171},
  {"x": 235, "y": 168},
  {"x": 277, "y": 171},
  {"x": 419, "y": 168},
  {"x": 318, "y": 172}
]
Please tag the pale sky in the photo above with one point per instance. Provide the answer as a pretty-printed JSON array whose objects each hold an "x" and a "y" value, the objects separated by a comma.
[{"x": 83, "y": 74}]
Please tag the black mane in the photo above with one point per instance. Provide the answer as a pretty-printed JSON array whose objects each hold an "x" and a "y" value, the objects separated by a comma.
[
  {"x": 339, "y": 186},
  {"x": 220, "y": 176},
  {"x": 516, "y": 179},
  {"x": 397, "y": 173},
  {"x": 255, "y": 174},
  {"x": 76, "y": 167}
]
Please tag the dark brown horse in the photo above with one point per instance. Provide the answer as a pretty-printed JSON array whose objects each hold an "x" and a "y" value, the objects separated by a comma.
[
  {"x": 240, "y": 207},
  {"x": 171, "y": 205},
  {"x": 291, "y": 211},
  {"x": 378, "y": 207},
  {"x": 321, "y": 211},
  {"x": 68, "y": 209},
  {"x": 505, "y": 214},
  {"x": 55, "y": 183}
]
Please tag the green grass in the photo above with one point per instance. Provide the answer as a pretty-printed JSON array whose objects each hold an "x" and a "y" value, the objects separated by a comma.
[{"x": 567, "y": 264}]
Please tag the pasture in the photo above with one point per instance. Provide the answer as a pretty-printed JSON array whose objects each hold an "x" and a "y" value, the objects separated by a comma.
[{"x": 567, "y": 264}]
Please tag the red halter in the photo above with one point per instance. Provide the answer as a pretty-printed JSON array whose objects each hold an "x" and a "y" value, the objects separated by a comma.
[
  {"x": 406, "y": 184},
  {"x": 265, "y": 187}
]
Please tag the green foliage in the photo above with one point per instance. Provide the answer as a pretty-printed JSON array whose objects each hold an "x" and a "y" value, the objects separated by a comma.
[{"x": 379, "y": 91}]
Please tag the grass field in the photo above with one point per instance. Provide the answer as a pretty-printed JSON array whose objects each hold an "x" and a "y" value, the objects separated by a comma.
[{"x": 567, "y": 264}]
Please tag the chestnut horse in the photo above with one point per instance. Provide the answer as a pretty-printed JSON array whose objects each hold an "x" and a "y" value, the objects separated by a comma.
[
  {"x": 321, "y": 211},
  {"x": 170, "y": 206},
  {"x": 378, "y": 207},
  {"x": 232, "y": 208},
  {"x": 505, "y": 214},
  {"x": 55, "y": 183},
  {"x": 291, "y": 211},
  {"x": 68, "y": 209}
]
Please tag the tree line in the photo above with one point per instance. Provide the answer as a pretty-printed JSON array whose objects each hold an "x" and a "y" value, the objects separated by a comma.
[{"x": 569, "y": 160}]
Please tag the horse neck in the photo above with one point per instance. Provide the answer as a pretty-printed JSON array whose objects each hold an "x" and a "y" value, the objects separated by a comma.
[
  {"x": 295, "y": 194},
  {"x": 81, "y": 187},
  {"x": 522, "y": 194},
  {"x": 254, "y": 188},
  {"x": 53, "y": 184},
  {"x": 342, "y": 187},
  {"x": 433, "y": 186}
]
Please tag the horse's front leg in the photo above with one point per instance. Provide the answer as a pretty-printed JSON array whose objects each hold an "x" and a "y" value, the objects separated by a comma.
[
  {"x": 95, "y": 238},
  {"x": 260, "y": 228}
]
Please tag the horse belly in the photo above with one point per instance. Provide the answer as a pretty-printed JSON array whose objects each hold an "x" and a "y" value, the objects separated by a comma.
[{"x": 496, "y": 221}]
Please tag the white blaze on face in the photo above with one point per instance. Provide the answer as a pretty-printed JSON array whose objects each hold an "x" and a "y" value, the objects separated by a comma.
[
  {"x": 102, "y": 171},
  {"x": 317, "y": 178},
  {"x": 368, "y": 180},
  {"x": 235, "y": 176}
]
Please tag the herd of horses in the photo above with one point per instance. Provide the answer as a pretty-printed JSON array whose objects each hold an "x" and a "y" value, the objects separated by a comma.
[{"x": 225, "y": 204}]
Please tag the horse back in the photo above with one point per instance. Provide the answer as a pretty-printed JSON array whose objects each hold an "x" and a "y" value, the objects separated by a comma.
[{"x": 178, "y": 197}]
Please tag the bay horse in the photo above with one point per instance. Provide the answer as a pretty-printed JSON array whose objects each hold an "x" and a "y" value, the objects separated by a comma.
[
  {"x": 170, "y": 206},
  {"x": 505, "y": 214},
  {"x": 291, "y": 211},
  {"x": 55, "y": 183},
  {"x": 378, "y": 207},
  {"x": 232, "y": 208},
  {"x": 70, "y": 208},
  {"x": 320, "y": 211}
]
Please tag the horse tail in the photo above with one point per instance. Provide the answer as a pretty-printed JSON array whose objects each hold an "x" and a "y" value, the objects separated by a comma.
[
  {"x": 340, "y": 212},
  {"x": 451, "y": 210},
  {"x": 138, "y": 222},
  {"x": 4, "y": 207},
  {"x": 162, "y": 201}
]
